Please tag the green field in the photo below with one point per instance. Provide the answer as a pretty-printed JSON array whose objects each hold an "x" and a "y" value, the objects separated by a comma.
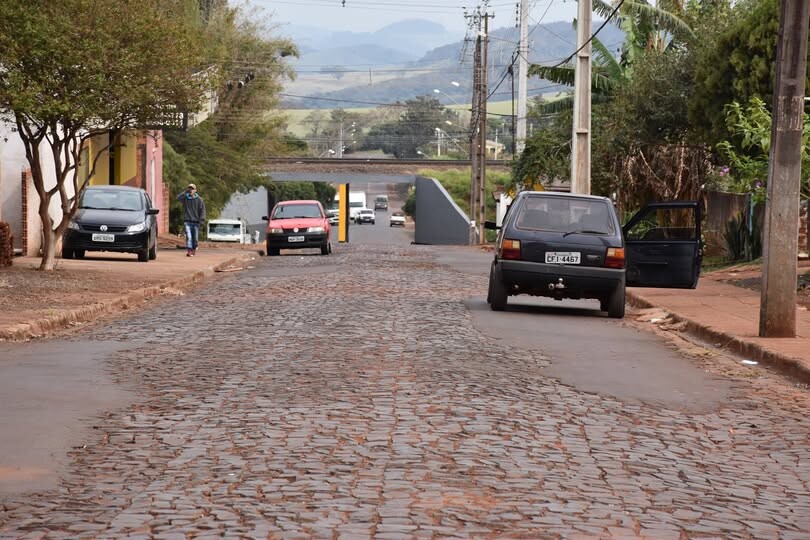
[{"x": 297, "y": 126}]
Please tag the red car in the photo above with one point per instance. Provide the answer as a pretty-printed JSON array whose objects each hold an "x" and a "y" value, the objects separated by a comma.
[{"x": 296, "y": 225}]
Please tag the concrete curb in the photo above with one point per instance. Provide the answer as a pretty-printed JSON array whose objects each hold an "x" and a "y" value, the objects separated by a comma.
[
  {"x": 41, "y": 327},
  {"x": 786, "y": 365}
]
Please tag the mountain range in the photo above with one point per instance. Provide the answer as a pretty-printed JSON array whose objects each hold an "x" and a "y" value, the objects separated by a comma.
[{"x": 414, "y": 57}]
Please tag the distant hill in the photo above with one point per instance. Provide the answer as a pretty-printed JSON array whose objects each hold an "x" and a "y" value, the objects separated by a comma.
[
  {"x": 354, "y": 55},
  {"x": 413, "y": 38},
  {"x": 436, "y": 68}
]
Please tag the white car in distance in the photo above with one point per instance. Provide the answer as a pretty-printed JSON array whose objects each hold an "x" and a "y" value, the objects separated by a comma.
[
  {"x": 366, "y": 215},
  {"x": 397, "y": 219}
]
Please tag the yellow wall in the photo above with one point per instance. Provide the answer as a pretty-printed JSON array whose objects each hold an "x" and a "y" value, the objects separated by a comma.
[
  {"x": 126, "y": 159},
  {"x": 102, "y": 176}
]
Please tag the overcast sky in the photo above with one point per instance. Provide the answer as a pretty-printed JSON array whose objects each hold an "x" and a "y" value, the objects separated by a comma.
[{"x": 371, "y": 15}]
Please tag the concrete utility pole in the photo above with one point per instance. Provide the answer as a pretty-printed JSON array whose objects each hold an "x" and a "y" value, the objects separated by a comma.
[
  {"x": 482, "y": 145},
  {"x": 581, "y": 140},
  {"x": 777, "y": 315},
  {"x": 523, "y": 77},
  {"x": 474, "y": 127}
]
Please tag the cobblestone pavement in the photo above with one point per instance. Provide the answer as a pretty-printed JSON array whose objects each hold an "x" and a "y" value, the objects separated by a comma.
[{"x": 351, "y": 397}]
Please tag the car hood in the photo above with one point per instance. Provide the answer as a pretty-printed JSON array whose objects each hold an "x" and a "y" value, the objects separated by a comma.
[
  {"x": 298, "y": 223},
  {"x": 88, "y": 216}
]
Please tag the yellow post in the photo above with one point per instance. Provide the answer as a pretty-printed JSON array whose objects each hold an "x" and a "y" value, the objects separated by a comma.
[{"x": 343, "y": 213}]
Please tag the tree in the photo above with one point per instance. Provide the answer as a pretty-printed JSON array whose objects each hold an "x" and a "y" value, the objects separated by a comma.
[
  {"x": 225, "y": 154},
  {"x": 72, "y": 69},
  {"x": 735, "y": 66},
  {"x": 415, "y": 127}
]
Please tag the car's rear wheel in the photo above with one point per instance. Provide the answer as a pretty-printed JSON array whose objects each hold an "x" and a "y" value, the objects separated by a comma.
[
  {"x": 67, "y": 253},
  {"x": 615, "y": 303},
  {"x": 498, "y": 297}
]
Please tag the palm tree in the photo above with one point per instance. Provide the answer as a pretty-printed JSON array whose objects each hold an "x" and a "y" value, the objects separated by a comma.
[{"x": 646, "y": 28}]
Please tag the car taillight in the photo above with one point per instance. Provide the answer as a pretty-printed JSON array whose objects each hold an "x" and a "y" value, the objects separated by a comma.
[
  {"x": 615, "y": 258},
  {"x": 510, "y": 249}
]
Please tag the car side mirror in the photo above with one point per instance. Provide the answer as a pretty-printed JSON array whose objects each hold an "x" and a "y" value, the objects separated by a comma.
[
  {"x": 491, "y": 225},
  {"x": 152, "y": 211},
  {"x": 264, "y": 218}
]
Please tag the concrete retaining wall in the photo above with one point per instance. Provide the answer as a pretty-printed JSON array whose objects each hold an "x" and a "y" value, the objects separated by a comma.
[{"x": 439, "y": 220}]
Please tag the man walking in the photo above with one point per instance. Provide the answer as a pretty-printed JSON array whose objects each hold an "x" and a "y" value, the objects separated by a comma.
[{"x": 193, "y": 217}]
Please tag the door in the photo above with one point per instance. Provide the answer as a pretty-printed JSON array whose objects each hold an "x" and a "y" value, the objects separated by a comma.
[{"x": 663, "y": 247}]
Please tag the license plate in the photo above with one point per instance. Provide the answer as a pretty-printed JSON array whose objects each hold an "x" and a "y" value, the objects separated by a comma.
[
  {"x": 562, "y": 257},
  {"x": 295, "y": 239},
  {"x": 103, "y": 238}
]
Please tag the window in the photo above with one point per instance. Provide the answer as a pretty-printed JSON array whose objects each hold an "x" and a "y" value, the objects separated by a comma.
[
  {"x": 562, "y": 214},
  {"x": 289, "y": 211},
  {"x": 665, "y": 224},
  {"x": 224, "y": 228}
]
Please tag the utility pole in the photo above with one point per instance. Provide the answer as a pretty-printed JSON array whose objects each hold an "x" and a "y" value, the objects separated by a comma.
[
  {"x": 523, "y": 77},
  {"x": 474, "y": 127},
  {"x": 777, "y": 314},
  {"x": 581, "y": 139},
  {"x": 478, "y": 127},
  {"x": 482, "y": 145}
]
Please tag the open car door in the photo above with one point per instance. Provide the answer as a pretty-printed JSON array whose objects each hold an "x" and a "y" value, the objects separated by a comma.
[{"x": 663, "y": 248}]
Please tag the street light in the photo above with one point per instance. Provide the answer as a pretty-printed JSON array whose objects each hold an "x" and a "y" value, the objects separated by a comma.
[
  {"x": 422, "y": 154},
  {"x": 437, "y": 91}
]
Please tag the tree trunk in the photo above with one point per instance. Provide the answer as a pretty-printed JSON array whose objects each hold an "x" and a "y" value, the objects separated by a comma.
[{"x": 48, "y": 237}]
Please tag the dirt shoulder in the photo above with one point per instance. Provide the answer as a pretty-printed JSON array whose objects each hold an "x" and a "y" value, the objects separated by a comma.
[{"x": 34, "y": 303}]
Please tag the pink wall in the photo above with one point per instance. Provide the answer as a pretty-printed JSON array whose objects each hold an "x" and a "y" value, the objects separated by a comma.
[{"x": 153, "y": 141}]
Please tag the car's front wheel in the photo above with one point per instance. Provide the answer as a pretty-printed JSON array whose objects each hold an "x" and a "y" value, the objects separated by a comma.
[
  {"x": 153, "y": 252},
  {"x": 67, "y": 252},
  {"x": 326, "y": 248},
  {"x": 78, "y": 253},
  {"x": 616, "y": 302},
  {"x": 498, "y": 296}
]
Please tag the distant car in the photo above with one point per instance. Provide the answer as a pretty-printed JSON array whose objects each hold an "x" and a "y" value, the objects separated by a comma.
[
  {"x": 296, "y": 225},
  {"x": 112, "y": 218},
  {"x": 334, "y": 216},
  {"x": 366, "y": 215},
  {"x": 397, "y": 219},
  {"x": 381, "y": 202},
  {"x": 572, "y": 246}
]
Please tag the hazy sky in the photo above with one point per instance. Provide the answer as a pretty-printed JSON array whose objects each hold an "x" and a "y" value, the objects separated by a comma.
[{"x": 370, "y": 15}]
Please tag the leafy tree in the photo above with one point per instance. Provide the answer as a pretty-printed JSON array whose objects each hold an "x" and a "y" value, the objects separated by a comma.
[
  {"x": 71, "y": 69},
  {"x": 224, "y": 153},
  {"x": 547, "y": 155},
  {"x": 415, "y": 127},
  {"x": 735, "y": 66},
  {"x": 748, "y": 151}
]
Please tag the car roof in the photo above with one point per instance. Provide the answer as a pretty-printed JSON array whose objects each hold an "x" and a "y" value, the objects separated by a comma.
[
  {"x": 225, "y": 220},
  {"x": 113, "y": 187},
  {"x": 299, "y": 202},
  {"x": 559, "y": 194}
]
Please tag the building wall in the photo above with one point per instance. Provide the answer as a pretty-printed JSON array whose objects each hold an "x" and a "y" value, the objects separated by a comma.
[{"x": 17, "y": 207}]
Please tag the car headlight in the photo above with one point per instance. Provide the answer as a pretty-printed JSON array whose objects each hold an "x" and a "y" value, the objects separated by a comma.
[
  {"x": 138, "y": 227},
  {"x": 75, "y": 226},
  {"x": 276, "y": 230},
  {"x": 316, "y": 229}
]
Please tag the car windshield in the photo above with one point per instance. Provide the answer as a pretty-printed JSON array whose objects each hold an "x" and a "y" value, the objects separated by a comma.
[
  {"x": 356, "y": 204},
  {"x": 565, "y": 215},
  {"x": 98, "y": 199},
  {"x": 291, "y": 211},
  {"x": 224, "y": 228},
  {"x": 366, "y": 212}
]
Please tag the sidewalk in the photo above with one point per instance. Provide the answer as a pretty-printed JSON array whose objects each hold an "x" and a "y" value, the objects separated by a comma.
[
  {"x": 727, "y": 316},
  {"x": 34, "y": 304}
]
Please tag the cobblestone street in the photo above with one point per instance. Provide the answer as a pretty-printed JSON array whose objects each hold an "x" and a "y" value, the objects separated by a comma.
[{"x": 352, "y": 396}]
